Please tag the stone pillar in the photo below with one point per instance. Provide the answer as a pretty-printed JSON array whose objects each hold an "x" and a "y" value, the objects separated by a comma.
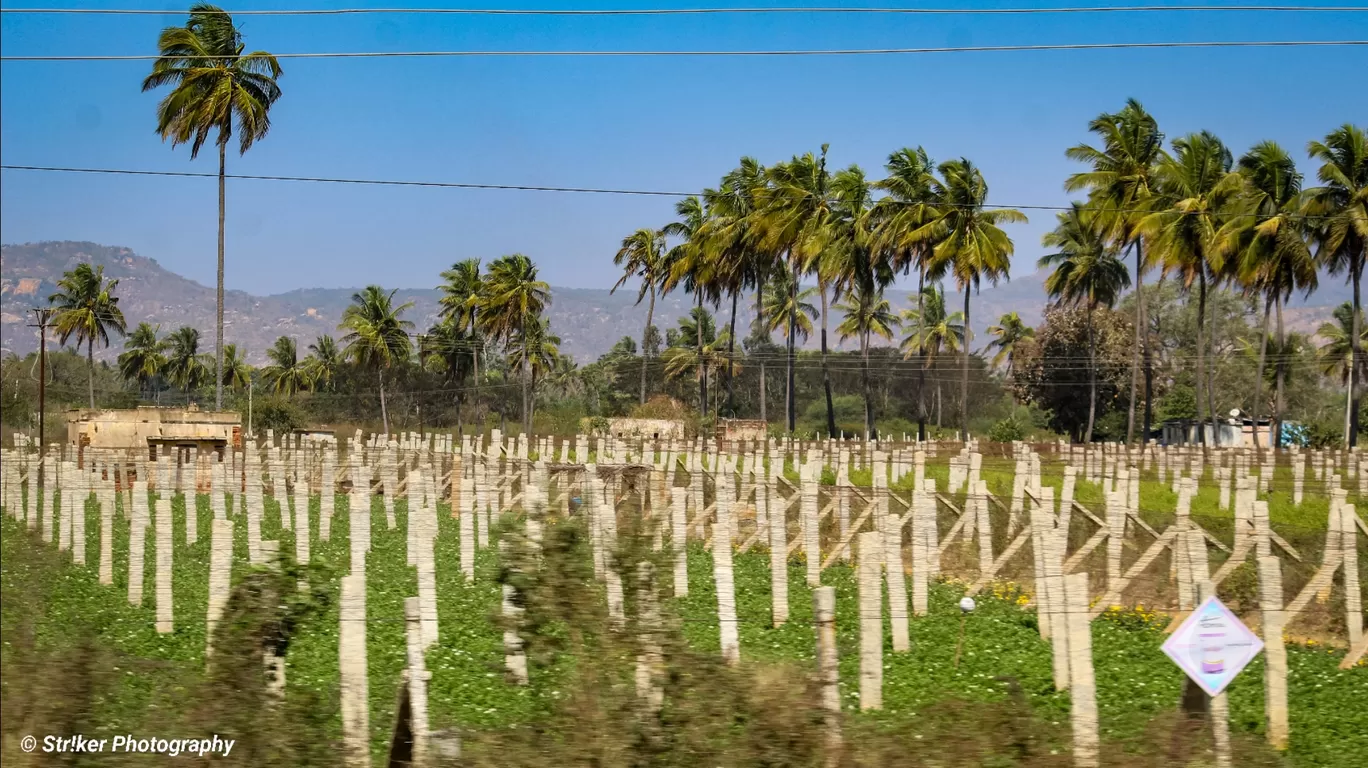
[
  {"x": 1275, "y": 652},
  {"x": 871, "y": 622},
  {"x": 1116, "y": 536},
  {"x": 828, "y": 669},
  {"x": 80, "y": 495},
  {"x": 220, "y": 574},
  {"x": 165, "y": 615},
  {"x": 355, "y": 686},
  {"x": 811, "y": 475},
  {"x": 890, "y": 527},
  {"x": 778, "y": 549},
  {"x": 423, "y": 520},
  {"x": 107, "y": 528},
  {"x": 301, "y": 519},
  {"x": 327, "y": 494},
  {"x": 978, "y": 497},
  {"x": 417, "y": 681},
  {"x": 464, "y": 504},
  {"x": 1082, "y": 683},
  {"x": 679, "y": 528},
  {"x": 1353, "y": 599},
  {"x": 726, "y": 585},
  {"x": 137, "y": 542},
  {"x": 515, "y": 659}
]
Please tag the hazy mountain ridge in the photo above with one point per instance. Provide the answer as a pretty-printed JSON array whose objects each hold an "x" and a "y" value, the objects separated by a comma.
[{"x": 588, "y": 320}]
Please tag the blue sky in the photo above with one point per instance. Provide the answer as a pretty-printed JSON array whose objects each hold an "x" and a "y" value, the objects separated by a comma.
[{"x": 644, "y": 123}]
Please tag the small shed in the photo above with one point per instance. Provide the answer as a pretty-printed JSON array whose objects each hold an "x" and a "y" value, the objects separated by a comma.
[
  {"x": 1229, "y": 433},
  {"x": 152, "y": 429}
]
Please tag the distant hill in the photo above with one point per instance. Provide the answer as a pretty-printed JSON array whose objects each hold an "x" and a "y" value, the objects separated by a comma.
[{"x": 589, "y": 321}]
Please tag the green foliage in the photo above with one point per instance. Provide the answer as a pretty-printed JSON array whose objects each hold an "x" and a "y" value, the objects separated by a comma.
[
  {"x": 277, "y": 413},
  {"x": 1006, "y": 431},
  {"x": 1180, "y": 402}
]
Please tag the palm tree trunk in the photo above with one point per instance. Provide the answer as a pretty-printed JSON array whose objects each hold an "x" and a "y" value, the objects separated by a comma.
[
  {"x": 1148, "y": 368},
  {"x": 529, "y": 399},
  {"x": 1092, "y": 376},
  {"x": 826, "y": 374},
  {"x": 1211, "y": 372},
  {"x": 645, "y": 334},
  {"x": 1258, "y": 377},
  {"x": 384, "y": 412},
  {"x": 1281, "y": 369},
  {"x": 1135, "y": 353},
  {"x": 702, "y": 364},
  {"x": 90, "y": 369},
  {"x": 864, "y": 380},
  {"x": 790, "y": 408},
  {"x": 760, "y": 326},
  {"x": 218, "y": 328},
  {"x": 1354, "y": 345},
  {"x": 1201, "y": 359},
  {"x": 964, "y": 370},
  {"x": 731, "y": 350},
  {"x": 921, "y": 355}
]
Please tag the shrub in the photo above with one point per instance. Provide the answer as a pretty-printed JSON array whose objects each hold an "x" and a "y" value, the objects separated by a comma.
[{"x": 1007, "y": 430}]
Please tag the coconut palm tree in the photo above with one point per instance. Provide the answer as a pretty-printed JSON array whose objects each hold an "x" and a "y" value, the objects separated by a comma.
[
  {"x": 797, "y": 219},
  {"x": 324, "y": 362},
  {"x": 287, "y": 374},
  {"x": 1087, "y": 269},
  {"x": 1264, "y": 238},
  {"x": 691, "y": 267},
  {"x": 786, "y": 308},
  {"x": 513, "y": 299},
  {"x": 142, "y": 359},
  {"x": 377, "y": 335},
  {"x": 972, "y": 246},
  {"x": 730, "y": 234},
  {"x": 535, "y": 349},
  {"x": 88, "y": 310},
  {"x": 237, "y": 374},
  {"x": 1009, "y": 332},
  {"x": 1196, "y": 185},
  {"x": 680, "y": 359},
  {"x": 906, "y": 227},
  {"x": 642, "y": 255},
  {"x": 185, "y": 366},
  {"x": 931, "y": 330},
  {"x": 1340, "y": 208},
  {"x": 461, "y": 289},
  {"x": 866, "y": 314},
  {"x": 215, "y": 87},
  {"x": 1121, "y": 183},
  {"x": 1337, "y": 354}
]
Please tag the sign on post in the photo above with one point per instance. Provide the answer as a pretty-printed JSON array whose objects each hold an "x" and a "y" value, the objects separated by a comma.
[{"x": 1212, "y": 646}]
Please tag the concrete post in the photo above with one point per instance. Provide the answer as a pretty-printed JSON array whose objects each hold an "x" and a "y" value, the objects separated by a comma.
[
  {"x": 1082, "y": 683},
  {"x": 1275, "y": 651},
  {"x": 828, "y": 670},
  {"x": 778, "y": 549},
  {"x": 137, "y": 543},
  {"x": 871, "y": 622},
  {"x": 165, "y": 616},
  {"x": 417, "y": 681},
  {"x": 220, "y": 574},
  {"x": 726, "y": 585}
]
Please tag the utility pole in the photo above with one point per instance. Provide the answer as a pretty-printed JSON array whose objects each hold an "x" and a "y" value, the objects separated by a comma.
[{"x": 43, "y": 318}]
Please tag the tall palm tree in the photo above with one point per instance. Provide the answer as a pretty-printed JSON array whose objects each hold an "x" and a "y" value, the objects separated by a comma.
[
  {"x": 1009, "y": 332},
  {"x": 1265, "y": 239},
  {"x": 215, "y": 87},
  {"x": 692, "y": 268},
  {"x": 142, "y": 359},
  {"x": 680, "y": 359},
  {"x": 1337, "y": 354},
  {"x": 88, "y": 310},
  {"x": 185, "y": 366},
  {"x": 377, "y": 335},
  {"x": 973, "y": 246},
  {"x": 1340, "y": 206},
  {"x": 787, "y": 308},
  {"x": 324, "y": 362},
  {"x": 1121, "y": 182},
  {"x": 642, "y": 255},
  {"x": 535, "y": 349},
  {"x": 287, "y": 374},
  {"x": 731, "y": 236},
  {"x": 931, "y": 330},
  {"x": 906, "y": 228},
  {"x": 1196, "y": 185},
  {"x": 797, "y": 219},
  {"x": 866, "y": 314},
  {"x": 513, "y": 299},
  {"x": 237, "y": 374},
  {"x": 461, "y": 289},
  {"x": 1087, "y": 269}
]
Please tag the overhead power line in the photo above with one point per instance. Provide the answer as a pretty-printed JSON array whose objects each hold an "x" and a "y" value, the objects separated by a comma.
[
  {"x": 709, "y": 11},
  {"x": 745, "y": 53},
  {"x": 469, "y": 185}
]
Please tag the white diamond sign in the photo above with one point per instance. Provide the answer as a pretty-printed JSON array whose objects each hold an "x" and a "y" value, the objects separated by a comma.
[{"x": 1212, "y": 645}]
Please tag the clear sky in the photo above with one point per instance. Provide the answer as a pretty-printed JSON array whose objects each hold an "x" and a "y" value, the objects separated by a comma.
[{"x": 668, "y": 123}]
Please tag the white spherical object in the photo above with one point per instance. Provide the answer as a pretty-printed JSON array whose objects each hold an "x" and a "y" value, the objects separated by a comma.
[{"x": 966, "y": 604}]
